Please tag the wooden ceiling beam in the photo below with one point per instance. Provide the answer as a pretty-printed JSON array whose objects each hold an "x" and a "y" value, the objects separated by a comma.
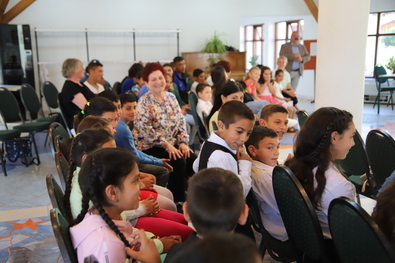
[
  {"x": 3, "y": 6},
  {"x": 313, "y": 8},
  {"x": 15, "y": 10}
]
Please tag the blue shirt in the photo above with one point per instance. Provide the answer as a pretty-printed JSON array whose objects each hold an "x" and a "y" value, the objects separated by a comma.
[
  {"x": 295, "y": 49},
  {"x": 143, "y": 90},
  {"x": 124, "y": 139},
  {"x": 127, "y": 85},
  {"x": 180, "y": 80}
]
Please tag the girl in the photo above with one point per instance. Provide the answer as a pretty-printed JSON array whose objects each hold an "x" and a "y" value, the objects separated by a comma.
[
  {"x": 252, "y": 81},
  {"x": 148, "y": 216},
  {"x": 110, "y": 179},
  {"x": 326, "y": 136},
  {"x": 278, "y": 77},
  {"x": 230, "y": 91},
  {"x": 219, "y": 78}
]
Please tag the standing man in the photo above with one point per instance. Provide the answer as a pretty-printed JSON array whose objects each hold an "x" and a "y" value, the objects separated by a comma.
[
  {"x": 179, "y": 77},
  {"x": 297, "y": 55}
]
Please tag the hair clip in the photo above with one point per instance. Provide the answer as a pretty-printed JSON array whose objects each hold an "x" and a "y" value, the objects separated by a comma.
[
  {"x": 88, "y": 104},
  {"x": 83, "y": 112},
  {"x": 75, "y": 135}
]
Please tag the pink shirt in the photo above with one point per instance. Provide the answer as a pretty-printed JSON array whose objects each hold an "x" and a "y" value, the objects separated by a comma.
[{"x": 251, "y": 86}]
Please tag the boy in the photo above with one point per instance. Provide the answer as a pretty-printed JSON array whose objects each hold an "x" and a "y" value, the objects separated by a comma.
[
  {"x": 124, "y": 139},
  {"x": 263, "y": 147},
  {"x": 198, "y": 77},
  {"x": 95, "y": 77},
  {"x": 204, "y": 104},
  {"x": 222, "y": 149},
  {"x": 275, "y": 117},
  {"x": 215, "y": 203}
]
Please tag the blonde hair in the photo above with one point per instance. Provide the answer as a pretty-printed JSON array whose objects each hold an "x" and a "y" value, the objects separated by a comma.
[
  {"x": 285, "y": 59},
  {"x": 70, "y": 66},
  {"x": 251, "y": 70}
]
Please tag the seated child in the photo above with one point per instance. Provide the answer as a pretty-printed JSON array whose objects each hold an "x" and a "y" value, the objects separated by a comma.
[
  {"x": 215, "y": 203},
  {"x": 275, "y": 117},
  {"x": 198, "y": 78},
  {"x": 252, "y": 81},
  {"x": 223, "y": 148},
  {"x": 139, "y": 83},
  {"x": 278, "y": 77},
  {"x": 204, "y": 104}
]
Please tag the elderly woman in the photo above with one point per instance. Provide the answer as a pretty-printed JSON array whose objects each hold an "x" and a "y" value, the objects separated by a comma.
[
  {"x": 160, "y": 129},
  {"x": 74, "y": 94}
]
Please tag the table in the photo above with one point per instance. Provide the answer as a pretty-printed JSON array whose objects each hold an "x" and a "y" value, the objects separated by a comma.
[{"x": 379, "y": 89}]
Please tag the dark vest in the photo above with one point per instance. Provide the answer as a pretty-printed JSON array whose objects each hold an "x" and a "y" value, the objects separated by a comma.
[{"x": 206, "y": 151}]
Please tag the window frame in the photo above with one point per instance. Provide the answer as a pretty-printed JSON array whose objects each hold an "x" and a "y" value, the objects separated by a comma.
[
  {"x": 255, "y": 39},
  {"x": 288, "y": 32}
]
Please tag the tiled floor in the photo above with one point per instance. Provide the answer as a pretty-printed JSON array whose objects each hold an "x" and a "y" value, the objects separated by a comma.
[{"x": 23, "y": 193}]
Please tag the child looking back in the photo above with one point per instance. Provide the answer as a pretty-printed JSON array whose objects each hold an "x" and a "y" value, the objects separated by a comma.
[{"x": 204, "y": 104}]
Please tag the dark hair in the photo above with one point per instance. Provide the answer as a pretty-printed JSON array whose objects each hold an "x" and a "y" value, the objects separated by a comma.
[
  {"x": 197, "y": 72},
  {"x": 127, "y": 98},
  {"x": 110, "y": 95},
  {"x": 200, "y": 87},
  {"x": 269, "y": 109},
  {"x": 92, "y": 122},
  {"x": 135, "y": 69},
  {"x": 149, "y": 68},
  {"x": 178, "y": 59},
  {"x": 218, "y": 76},
  {"x": 234, "y": 110},
  {"x": 258, "y": 134},
  {"x": 96, "y": 107},
  {"x": 215, "y": 200},
  {"x": 225, "y": 64},
  {"x": 229, "y": 88},
  {"x": 84, "y": 143},
  {"x": 263, "y": 68},
  {"x": 312, "y": 149},
  {"x": 102, "y": 168},
  {"x": 220, "y": 248},
  {"x": 93, "y": 64},
  {"x": 278, "y": 71},
  {"x": 383, "y": 213}
]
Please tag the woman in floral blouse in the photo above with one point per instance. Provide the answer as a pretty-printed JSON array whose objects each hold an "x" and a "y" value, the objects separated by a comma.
[{"x": 160, "y": 129}]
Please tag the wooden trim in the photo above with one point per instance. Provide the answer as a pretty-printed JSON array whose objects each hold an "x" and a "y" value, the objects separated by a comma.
[
  {"x": 313, "y": 8},
  {"x": 15, "y": 10},
  {"x": 3, "y": 6}
]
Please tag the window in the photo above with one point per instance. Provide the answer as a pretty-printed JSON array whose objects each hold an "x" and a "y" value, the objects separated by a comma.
[
  {"x": 253, "y": 44},
  {"x": 283, "y": 33},
  {"x": 380, "y": 46}
]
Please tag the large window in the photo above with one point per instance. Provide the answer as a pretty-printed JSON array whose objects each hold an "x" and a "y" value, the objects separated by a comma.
[
  {"x": 283, "y": 33},
  {"x": 253, "y": 44},
  {"x": 381, "y": 41}
]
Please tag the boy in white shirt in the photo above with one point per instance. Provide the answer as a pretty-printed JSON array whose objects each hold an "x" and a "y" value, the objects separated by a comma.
[
  {"x": 198, "y": 77},
  {"x": 204, "y": 104}
]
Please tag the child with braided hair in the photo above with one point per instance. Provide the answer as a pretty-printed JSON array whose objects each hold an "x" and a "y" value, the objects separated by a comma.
[
  {"x": 326, "y": 136},
  {"x": 110, "y": 179}
]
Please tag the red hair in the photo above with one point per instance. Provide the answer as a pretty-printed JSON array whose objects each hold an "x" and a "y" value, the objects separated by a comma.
[
  {"x": 149, "y": 68},
  {"x": 225, "y": 64}
]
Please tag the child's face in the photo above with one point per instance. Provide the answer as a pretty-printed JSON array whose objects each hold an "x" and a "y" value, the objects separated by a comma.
[
  {"x": 118, "y": 105},
  {"x": 277, "y": 121},
  {"x": 281, "y": 63},
  {"x": 129, "y": 111},
  {"x": 254, "y": 75},
  {"x": 96, "y": 73},
  {"x": 169, "y": 82},
  {"x": 140, "y": 82},
  {"x": 237, "y": 133},
  {"x": 267, "y": 76},
  {"x": 168, "y": 70},
  {"x": 205, "y": 94},
  {"x": 267, "y": 151},
  {"x": 129, "y": 195},
  {"x": 200, "y": 78},
  {"x": 341, "y": 144},
  {"x": 112, "y": 117},
  {"x": 234, "y": 96},
  {"x": 280, "y": 77}
]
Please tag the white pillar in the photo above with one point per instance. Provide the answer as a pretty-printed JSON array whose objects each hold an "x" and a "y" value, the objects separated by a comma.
[{"x": 341, "y": 48}]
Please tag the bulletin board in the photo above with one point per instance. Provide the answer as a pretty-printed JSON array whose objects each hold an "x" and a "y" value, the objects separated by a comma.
[{"x": 311, "y": 46}]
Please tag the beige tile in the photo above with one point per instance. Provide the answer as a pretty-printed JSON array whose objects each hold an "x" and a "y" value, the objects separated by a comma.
[{"x": 39, "y": 211}]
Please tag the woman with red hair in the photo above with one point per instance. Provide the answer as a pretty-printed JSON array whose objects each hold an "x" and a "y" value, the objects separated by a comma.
[{"x": 160, "y": 129}]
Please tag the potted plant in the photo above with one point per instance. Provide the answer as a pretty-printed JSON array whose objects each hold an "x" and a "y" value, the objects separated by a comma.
[{"x": 215, "y": 47}]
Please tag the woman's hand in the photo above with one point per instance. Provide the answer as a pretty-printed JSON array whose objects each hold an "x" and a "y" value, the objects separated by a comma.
[
  {"x": 151, "y": 206},
  {"x": 166, "y": 165},
  {"x": 142, "y": 248},
  {"x": 173, "y": 152},
  {"x": 185, "y": 150}
]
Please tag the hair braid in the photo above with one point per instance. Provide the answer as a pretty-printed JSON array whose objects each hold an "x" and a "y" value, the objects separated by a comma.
[
  {"x": 328, "y": 132},
  {"x": 84, "y": 210}
]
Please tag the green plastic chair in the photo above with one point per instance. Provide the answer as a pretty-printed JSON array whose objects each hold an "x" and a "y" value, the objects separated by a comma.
[
  {"x": 32, "y": 103},
  {"x": 60, "y": 227},
  {"x": 10, "y": 111},
  {"x": 4, "y": 136},
  {"x": 380, "y": 148},
  {"x": 299, "y": 217},
  {"x": 56, "y": 195},
  {"x": 381, "y": 87},
  {"x": 62, "y": 166},
  {"x": 356, "y": 164},
  {"x": 356, "y": 237},
  {"x": 193, "y": 100},
  {"x": 50, "y": 93},
  {"x": 56, "y": 129},
  {"x": 302, "y": 117}
]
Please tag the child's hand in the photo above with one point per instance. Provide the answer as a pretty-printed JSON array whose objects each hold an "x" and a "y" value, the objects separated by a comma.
[
  {"x": 243, "y": 156},
  {"x": 142, "y": 248},
  {"x": 151, "y": 206},
  {"x": 169, "y": 241},
  {"x": 287, "y": 99},
  {"x": 148, "y": 182}
]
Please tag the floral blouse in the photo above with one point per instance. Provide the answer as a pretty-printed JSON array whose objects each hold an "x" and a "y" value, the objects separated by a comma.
[{"x": 159, "y": 120}]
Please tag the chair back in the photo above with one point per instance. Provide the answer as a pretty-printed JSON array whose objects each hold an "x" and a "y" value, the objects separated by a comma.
[
  {"x": 298, "y": 214},
  {"x": 64, "y": 115},
  {"x": 9, "y": 106},
  {"x": 56, "y": 194},
  {"x": 356, "y": 237},
  {"x": 193, "y": 100},
  {"x": 30, "y": 99},
  {"x": 380, "y": 70},
  {"x": 117, "y": 87},
  {"x": 380, "y": 148},
  {"x": 50, "y": 93},
  {"x": 60, "y": 228},
  {"x": 56, "y": 129},
  {"x": 63, "y": 168},
  {"x": 302, "y": 117}
]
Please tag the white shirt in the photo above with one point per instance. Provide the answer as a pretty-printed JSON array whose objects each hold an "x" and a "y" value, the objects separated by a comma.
[
  {"x": 193, "y": 86},
  {"x": 205, "y": 106},
  {"x": 93, "y": 89},
  {"x": 336, "y": 186},
  {"x": 224, "y": 160},
  {"x": 262, "y": 185}
]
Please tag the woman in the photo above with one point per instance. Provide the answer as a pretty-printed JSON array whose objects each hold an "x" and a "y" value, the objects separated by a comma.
[
  {"x": 160, "y": 129},
  {"x": 74, "y": 95}
]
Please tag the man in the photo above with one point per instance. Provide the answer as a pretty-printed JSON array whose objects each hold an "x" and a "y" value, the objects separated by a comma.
[
  {"x": 179, "y": 77},
  {"x": 297, "y": 55}
]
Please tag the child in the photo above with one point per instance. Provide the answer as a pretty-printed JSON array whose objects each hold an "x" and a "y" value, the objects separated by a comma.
[
  {"x": 252, "y": 81},
  {"x": 326, "y": 136},
  {"x": 278, "y": 77},
  {"x": 263, "y": 147},
  {"x": 110, "y": 179},
  {"x": 198, "y": 78},
  {"x": 204, "y": 104},
  {"x": 275, "y": 117},
  {"x": 287, "y": 90},
  {"x": 222, "y": 149},
  {"x": 139, "y": 83},
  {"x": 215, "y": 204},
  {"x": 95, "y": 77}
]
